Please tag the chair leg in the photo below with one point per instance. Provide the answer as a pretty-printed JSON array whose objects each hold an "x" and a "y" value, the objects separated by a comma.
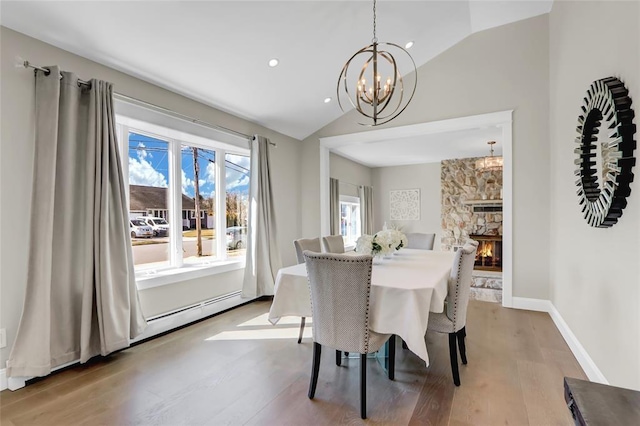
[
  {"x": 363, "y": 386},
  {"x": 302, "y": 321},
  {"x": 338, "y": 358},
  {"x": 317, "y": 349},
  {"x": 453, "y": 354},
  {"x": 461, "y": 334},
  {"x": 391, "y": 356}
]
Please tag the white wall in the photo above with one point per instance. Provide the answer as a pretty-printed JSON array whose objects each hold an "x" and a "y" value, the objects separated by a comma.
[
  {"x": 425, "y": 177},
  {"x": 499, "y": 69},
  {"x": 349, "y": 173},
  {"x": 595, "y": 273},
  {"x": 16, "y": 170}
]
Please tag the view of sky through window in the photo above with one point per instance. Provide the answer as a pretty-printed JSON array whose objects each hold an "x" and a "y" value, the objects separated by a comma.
[{"x": 149, "y": 166}]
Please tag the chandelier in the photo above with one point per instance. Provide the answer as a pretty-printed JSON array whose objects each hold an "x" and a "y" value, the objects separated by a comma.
[
  {"x": 378, "y": 99},
  {"x": 490, "y": 163}
]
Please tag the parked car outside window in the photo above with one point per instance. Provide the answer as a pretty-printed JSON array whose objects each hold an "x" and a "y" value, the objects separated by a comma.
[
  {"x": 236, "y": 237},
  {"x": 139, "y": 229},
  {"x": 159, "y": 225}
]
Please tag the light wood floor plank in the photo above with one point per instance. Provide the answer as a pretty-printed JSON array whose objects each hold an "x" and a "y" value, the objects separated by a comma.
[{"x": 236, "y": 369}]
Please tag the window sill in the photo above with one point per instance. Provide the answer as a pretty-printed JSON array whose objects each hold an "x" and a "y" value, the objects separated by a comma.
[{"x": 145, "y": 281}]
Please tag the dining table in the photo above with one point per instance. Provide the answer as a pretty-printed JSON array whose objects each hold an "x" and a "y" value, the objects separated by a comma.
[{"x": 404, "y": 288}]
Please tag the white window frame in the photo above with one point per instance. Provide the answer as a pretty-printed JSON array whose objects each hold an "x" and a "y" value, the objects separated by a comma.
[
  {"x": 176, "y": 270},
  {"x": 192, "y": 214}
]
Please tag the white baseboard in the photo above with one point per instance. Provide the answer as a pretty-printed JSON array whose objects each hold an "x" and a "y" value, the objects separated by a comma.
[
  {"x": 539, "y": 305},
  {"x": 3, "y": 379},
  {"x": 588, "y": 366},
  {"x": 155, "y": 326}
]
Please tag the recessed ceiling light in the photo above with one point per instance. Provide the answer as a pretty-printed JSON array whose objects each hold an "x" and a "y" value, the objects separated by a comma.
[
  {"x": 273, "y": 62},
  {"x": 327, "y": 100},
  {"x": 408, "y": 45}
]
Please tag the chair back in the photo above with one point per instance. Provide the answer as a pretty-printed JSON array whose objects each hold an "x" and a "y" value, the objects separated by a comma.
[
  {"x": 340, "y": 286},
  {"x": 333, "y": 244},
  {"x": 460, "y": 285},
  {"x": 311, "y": 244},
  {"x": 421, "y": 241}
]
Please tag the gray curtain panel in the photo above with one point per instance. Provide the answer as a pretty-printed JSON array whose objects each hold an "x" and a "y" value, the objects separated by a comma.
[
  {"x": 81, "y": 299},
  {"x": 334, "y": 206},
  {"x": 366, "y": 209},
  {"x": 263, "y": 255}
]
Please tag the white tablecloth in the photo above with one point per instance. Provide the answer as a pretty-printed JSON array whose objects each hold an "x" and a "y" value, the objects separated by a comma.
[{"x": 403, "y": 291}]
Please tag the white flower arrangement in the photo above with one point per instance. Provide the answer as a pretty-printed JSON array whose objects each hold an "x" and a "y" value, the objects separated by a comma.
[
  {"x": 385, "y": 239},
  {"x": 364, "y": 244},
  {"x": 382, "y": 243},
  {"x": 391, "y": 238}
]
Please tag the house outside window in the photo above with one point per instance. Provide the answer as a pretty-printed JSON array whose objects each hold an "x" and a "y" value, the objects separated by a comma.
[{"x": 350, "y": 227}]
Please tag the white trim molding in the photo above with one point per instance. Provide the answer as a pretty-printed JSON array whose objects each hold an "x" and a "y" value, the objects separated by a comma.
[
  {"x": 325, "y": 174},
  {"x": 3, "y": 379},
  {"x": 588, "y": 366}
]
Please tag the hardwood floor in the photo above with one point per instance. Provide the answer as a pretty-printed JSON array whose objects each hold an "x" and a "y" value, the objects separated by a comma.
[{"x": 238, "y": 369}]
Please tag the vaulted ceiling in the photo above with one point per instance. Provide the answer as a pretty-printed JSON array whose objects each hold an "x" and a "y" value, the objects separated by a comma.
[{"x": 217, "y": 52}]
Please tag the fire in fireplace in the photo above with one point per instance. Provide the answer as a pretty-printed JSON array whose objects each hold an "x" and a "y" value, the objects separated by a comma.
[{"x": 489, "y": 254}]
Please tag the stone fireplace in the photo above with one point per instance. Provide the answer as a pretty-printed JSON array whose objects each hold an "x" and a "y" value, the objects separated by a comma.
[
  {"x": 471, "y": 202},
  {"x": 472, "y": 209}
]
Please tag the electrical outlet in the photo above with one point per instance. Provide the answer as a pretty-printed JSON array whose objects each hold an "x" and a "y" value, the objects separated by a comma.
[{"x": 3, "y": 337}]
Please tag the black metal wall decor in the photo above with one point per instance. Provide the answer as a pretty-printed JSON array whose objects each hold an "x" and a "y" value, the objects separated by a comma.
[{"x": 603, "y": 193}]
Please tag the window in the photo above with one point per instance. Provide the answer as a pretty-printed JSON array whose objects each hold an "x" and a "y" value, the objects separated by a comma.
[
  {"x": 198, "y": 184},
  {"x": 176, "y": 187},
  {"x": 237, "y": 202},
  {"x": 148, "y": 165},
  {"x": 350, "y": 219}
]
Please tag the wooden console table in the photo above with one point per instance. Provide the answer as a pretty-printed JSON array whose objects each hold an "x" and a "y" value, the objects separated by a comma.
[{"x": 595, "y": 404}]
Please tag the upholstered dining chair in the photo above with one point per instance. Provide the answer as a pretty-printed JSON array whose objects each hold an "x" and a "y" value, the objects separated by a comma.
[
  {"x": 453, "y": 321},
  {"x": 340, "y": 287},
  {"x": 417, "y": 240},
  {"x": 333, "y": 244},
  {"x": 302, "y": 244}
]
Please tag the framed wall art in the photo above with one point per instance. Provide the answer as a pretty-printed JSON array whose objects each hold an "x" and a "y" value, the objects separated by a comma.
[{"x": 404, "y": 204}]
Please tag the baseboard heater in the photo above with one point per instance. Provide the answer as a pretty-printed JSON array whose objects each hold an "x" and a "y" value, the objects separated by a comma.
[
  {"x": 180, "y": 317},
  {"x": 163, "y": 323},
  {"x": 195, "y": 306}
]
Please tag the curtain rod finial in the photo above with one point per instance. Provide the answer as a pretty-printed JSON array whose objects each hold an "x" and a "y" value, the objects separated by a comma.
[{"x": 20, "y": 62}]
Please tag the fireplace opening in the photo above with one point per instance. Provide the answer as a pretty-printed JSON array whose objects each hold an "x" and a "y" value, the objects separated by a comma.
[{"x": 489, "y": 254}]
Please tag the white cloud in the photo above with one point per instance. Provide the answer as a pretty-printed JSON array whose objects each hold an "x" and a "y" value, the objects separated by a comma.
[
  {"x": 236, "y": 179},
  {"x": 240, "y": 160},
  {"x": 186, "y": 182},
  {"x": 142, "y": 153},
  {"x": 141, "y": 172},
  {"x": 235, "y": 173},
  {"x": 210, "y": 172}
]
